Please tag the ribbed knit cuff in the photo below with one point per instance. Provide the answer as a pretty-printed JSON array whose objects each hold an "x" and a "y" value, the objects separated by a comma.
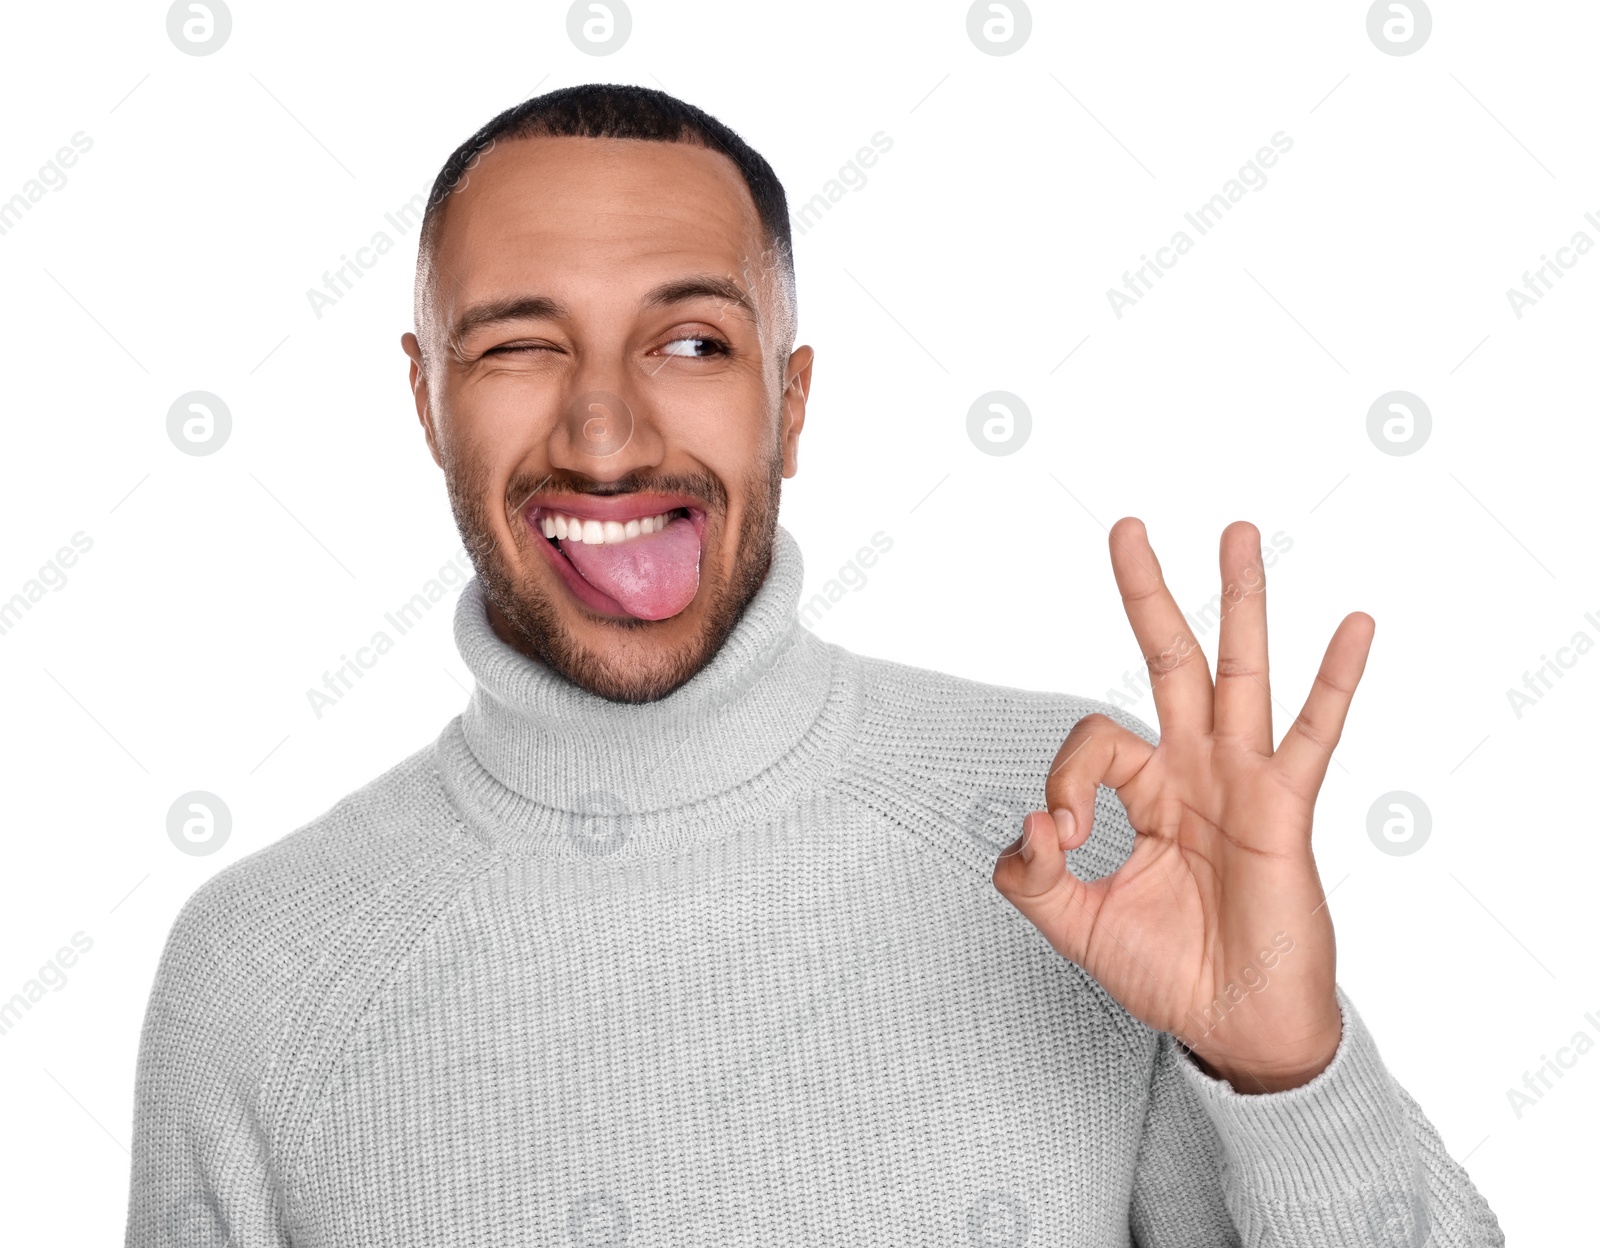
[{"x": 1320, "y": 1142}]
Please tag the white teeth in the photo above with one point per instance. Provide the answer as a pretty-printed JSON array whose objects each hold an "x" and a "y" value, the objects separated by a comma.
[{"x": 600, "y": 532}]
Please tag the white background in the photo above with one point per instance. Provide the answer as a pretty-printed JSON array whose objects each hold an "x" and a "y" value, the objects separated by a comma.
[{"x": 976, "y": 257}]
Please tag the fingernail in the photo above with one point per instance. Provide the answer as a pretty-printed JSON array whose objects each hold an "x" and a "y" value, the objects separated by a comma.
[
  {"x": 1027, "y": 844},
  {"x": 1066, "y": 823}
]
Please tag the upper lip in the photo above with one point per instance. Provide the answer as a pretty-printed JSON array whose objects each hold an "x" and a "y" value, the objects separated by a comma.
[{"x": 619, "y": 507}]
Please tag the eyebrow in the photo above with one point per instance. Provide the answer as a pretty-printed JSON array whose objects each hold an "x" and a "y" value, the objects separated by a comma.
[
  {"x": 705, "y": 286},
  {"x": 499, "y": 311},
  {"x": 544, "y": 308}
]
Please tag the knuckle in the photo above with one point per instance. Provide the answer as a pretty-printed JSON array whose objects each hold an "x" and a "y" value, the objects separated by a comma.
[
  {"x": 1181, "y": 651},
  {"x": 1322, "y": 680},
  {"x": 1234, "y": 669},
  {"x": 1311, "y": 733}
]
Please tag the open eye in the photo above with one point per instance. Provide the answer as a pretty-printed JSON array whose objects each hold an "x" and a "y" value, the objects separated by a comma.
[{"x": 695, "y": 346}]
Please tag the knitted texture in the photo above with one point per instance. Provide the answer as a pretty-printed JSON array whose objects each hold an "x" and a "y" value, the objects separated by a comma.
[{"x": 723, "y": 969}]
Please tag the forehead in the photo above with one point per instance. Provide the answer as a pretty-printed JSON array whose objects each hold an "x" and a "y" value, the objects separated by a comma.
[{"x": 558, "y": 216}]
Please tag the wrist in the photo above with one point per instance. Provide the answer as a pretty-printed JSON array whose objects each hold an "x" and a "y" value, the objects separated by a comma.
[{"x": 1251, "y": 1077}]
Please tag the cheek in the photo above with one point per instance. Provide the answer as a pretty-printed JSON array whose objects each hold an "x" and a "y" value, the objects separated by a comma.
[
  {"x": 498, "y": 422},
  {"x": 728, "y": 426}
]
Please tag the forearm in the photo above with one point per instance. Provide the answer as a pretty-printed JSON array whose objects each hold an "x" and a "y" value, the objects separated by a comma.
[{"x": 1348, "y": 1158}]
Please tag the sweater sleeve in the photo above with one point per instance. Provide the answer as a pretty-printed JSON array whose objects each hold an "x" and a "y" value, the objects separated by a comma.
[
  {"x": 201, "y": 1172},
  {"x": 1348, "y": 1158}
]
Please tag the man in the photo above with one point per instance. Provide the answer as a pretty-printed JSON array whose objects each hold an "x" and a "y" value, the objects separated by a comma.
[{"x": 690, "y": 928}]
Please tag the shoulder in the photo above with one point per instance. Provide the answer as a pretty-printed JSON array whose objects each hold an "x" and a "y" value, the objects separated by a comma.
[
  {"x": 269, "y": 964},
  {"x": 904, "y": 694},
  {"x": 967, "y": 760},
  {"x": 388, "y": 826},
  {"x": 276, "y": 927}
]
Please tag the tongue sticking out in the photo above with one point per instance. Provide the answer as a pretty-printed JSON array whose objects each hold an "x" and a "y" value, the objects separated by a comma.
[{"x": 652, "y": 577}]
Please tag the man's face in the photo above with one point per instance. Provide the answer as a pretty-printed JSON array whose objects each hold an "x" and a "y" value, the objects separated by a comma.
[{"x": 602, "y": 350}]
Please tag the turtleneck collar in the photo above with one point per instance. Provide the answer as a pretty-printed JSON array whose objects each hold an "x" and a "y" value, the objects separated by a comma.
[{"x": 539, "y": 765}]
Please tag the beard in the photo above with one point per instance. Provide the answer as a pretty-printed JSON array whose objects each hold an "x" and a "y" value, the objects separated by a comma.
[{"x": 637, "y": 666}]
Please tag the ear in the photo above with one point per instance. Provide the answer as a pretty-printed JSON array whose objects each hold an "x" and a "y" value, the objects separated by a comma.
[
  {"x": 419, "y": 393},
  {"x": 796, "y": 387}
]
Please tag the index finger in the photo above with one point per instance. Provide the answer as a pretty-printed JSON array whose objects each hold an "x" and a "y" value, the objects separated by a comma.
[{"x": 1180, "y": 681}]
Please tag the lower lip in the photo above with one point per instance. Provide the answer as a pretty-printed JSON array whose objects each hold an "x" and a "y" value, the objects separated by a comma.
[{"x": 584, "y": 592}]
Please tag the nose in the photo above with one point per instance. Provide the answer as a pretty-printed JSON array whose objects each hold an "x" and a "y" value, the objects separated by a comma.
[
  {"x": 605, "y": 430},
  {"x": 599, "y": 422}
]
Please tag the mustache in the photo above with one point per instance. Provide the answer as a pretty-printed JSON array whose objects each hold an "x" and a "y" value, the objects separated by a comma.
[{"x": 700, "y": 485}]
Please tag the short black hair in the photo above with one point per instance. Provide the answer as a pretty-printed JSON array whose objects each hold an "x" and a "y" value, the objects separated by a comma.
[{"x": 617, "y": 111}]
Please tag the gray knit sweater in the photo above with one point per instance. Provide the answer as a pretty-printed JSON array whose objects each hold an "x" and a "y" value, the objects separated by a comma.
[{"x": 723, "y": 969}]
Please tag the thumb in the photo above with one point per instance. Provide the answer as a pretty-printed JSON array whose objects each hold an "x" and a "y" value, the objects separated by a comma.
[{"x": 1032, "y": 874}]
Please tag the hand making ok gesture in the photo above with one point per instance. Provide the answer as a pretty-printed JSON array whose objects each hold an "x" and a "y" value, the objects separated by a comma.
[{"x": 1214, "y": 929}]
